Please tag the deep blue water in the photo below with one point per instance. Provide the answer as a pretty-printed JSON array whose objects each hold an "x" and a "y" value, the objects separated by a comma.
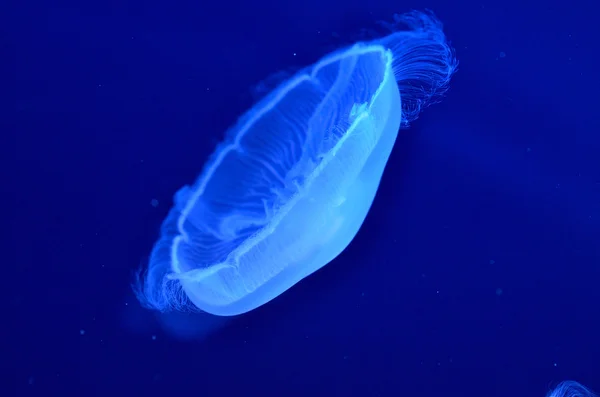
[{"x": 475, "y": 274}]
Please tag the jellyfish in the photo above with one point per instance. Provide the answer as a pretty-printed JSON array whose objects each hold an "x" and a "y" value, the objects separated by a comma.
[
  {"x": 570, "y": 388},
  {"x": 292, "y": 182}
]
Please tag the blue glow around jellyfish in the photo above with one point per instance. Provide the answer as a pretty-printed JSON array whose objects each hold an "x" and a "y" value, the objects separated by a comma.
[{"x": 292, "y": 183}]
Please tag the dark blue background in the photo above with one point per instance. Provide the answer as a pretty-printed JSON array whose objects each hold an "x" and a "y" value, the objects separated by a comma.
[{"x": 475, "y": 274}]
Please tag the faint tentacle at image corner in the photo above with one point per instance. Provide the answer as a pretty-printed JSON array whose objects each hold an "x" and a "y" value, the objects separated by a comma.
[{"x": 291, "y": 184}]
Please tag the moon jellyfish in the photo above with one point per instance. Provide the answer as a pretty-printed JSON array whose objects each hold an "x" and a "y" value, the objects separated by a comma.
[{"x": 294, "y": 179}]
